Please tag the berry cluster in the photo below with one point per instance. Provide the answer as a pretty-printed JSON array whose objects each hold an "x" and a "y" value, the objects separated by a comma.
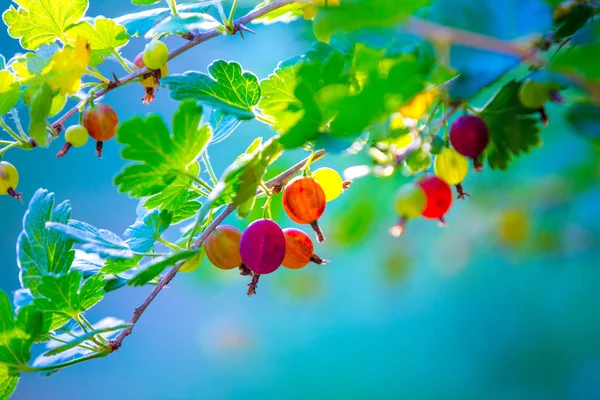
[
  {"x": 431, "y": 197},
  {"x": 264, "y": 246}
]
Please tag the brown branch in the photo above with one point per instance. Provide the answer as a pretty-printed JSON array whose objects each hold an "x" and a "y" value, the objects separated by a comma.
[
  {"x": 196, "y": 39},
  {"x": 441, "y": 34},
  {"x": 277, "y": 182}
]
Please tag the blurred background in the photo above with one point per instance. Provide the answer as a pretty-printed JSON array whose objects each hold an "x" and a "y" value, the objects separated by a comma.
[{"x": 503, "y": 303}]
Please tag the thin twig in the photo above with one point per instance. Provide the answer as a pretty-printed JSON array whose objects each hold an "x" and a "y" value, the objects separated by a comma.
[
  {"x": 440, "y": 33},
  {"x": 196, "y": 40},
  {"x": 276, "y": 183}
]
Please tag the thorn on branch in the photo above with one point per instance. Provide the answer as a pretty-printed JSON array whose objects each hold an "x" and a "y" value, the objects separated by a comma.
[
  {"x": 190, "y": 35},
  {"x": 239, "y": 27},
  {"x": 114, "y": 83}
]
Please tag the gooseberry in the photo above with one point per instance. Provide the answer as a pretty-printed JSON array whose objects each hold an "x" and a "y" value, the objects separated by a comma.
[
  {"x": 101, "y": 122},
  {"x": 299, "y": 250},
  {"x": 452, "y": 167},
  {"x": 9, "y": 179},
  {"x": 193, "y": 263},
  {"x": 152, "y": 81},
  {"x": 223, "y": 247},
  {"x": 304, "y": 202},
  {"x": 322, "y": 27},
  {"x": 75, "y": 136},
  {"x": 262, "y": 248},
  {"x": 156, "y": 54},
  {"x": 410, "y": 203},
  {"x": 439, "y": 198},
  {"x": 534, "y": 94},
  {"x": 330, "y": 181},
  {"x": 469, "y": 135}
]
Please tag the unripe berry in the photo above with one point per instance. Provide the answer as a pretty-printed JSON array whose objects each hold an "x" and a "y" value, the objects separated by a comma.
[
  {"x": 9, "y": 179},
  {"x": 470, "y": 135},
  {"x": 330, "y": 181},
  {"x": 452, "y": 168},
  {"x": 534, "y": 94},
  {"x": 410, "y": 203},
  {"x": 101, "y": 122},
  {"x": 193, "y": 263},
  {"x": 75, "y": 136},
  {"x": 304, "y": 202},
  {"x": 299, "y": 250},
  {"x": 151, "y": 81},
  {"x": 156, "y": 54}
]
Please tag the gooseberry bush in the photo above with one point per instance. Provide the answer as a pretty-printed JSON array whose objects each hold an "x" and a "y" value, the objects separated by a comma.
[{"x": 393, "y": 80}]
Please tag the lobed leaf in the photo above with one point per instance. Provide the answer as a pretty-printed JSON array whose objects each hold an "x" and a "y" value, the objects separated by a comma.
[
  {"x": 142, "y": 235},
  {"x": 184, "y": 23},
  {"x": 10, "y": 91},
  {"x": 227, "y": 87},
  {"x": 513, "y": 130},
  {"x": 159, "y": 157},
  {"x": 93, "y": 240},
  {"x": 42, "y": 251},
  {"x": 105, "y": 37},
  {"x": 38, "y": 22}
]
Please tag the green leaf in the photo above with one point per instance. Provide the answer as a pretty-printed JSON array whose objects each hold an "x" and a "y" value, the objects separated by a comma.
[
  {"x": 41, "y": 103},
  {"x": 105, "y": 37},
  {"x": 142, "y": 235},
  {"x": 177, "y": 197},
  {"x": 228, "y": 88},
  {"x": 16, "y": 338},
  {"x": 285, "y": 14},
  {"x": 241, "y": 179},
  {"x": 38, "y": 22},
  {"x": 159, "y": 157},
  {"x": 41, "y": 251},
  {"x": 278, "y": 100},
  {"x": 138, "y": 24},
  {"x": 84, "y": 338},
  {"x": 120, "y": 265},
  {"x": 512, "y": 128},
  {"x": 8, "y": 382},
  {"x": 223, "y": 125},
  {"x": 10, "y": 91},
  {"x": 506, "y": 20},
  {"x": 156, "y": 268},
  {"x": 65, "y": 297},
  {"x": 144, "y": 2},
  {"x": 93, "y": 240},
  {"x": 183, "y": 23}
]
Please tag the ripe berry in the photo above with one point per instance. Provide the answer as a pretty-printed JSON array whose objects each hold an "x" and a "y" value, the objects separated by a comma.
[
  {"x": 193, "y": 263},
  {"x": 299, "y": 250},
  {"x": 152, "y": 81},
  {"x": 439, "y": 198},
  {"x": 223, "y": 247},
  {"x": 262, "y": 248},
  {"x": 470, "y": 136},
  {"x": 304, "y": 202},
  {"x": 534, "y": 94},
  {"x": 101, "y": 122},
  {"x": 410, "y": 203},
  {"x": 75, "y": 136},
  {"x": 330, "y": 181},
  {"x": 9, "y": 179},
  {"x": 452, "y": 168},
  {"x": 156, "y": 54}
]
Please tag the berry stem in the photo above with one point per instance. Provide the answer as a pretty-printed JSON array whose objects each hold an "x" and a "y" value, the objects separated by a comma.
[
  {"x": 245, "y": 271},
  {"x": 319, "y": 232},
  {"x": 122, "y": 62},
  {"x": 9, "y": 130},
  {"x": 99, "y": 146},
  {"x": 62, "y": 152},
  {"x": 318, "y": 260},
  {"x": 15, "y": 195},
  {"x": 209, "y": 167},
  {"x": 254, "y": 284},
  {"x": 232, "y": 14},
  {"x": 461, "y": 193},
  {"x": 197, "y": 180}
]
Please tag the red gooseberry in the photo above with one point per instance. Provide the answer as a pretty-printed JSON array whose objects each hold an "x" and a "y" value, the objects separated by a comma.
[
  {"x": 470, "y": 136},
  {"x": 262, "y": 248},
  {"x": 304, "y": 202},
  {"x": 101, "y": 122},
  {"x": 299, "y": 250},
  {"x": 439, "y": 198}
]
